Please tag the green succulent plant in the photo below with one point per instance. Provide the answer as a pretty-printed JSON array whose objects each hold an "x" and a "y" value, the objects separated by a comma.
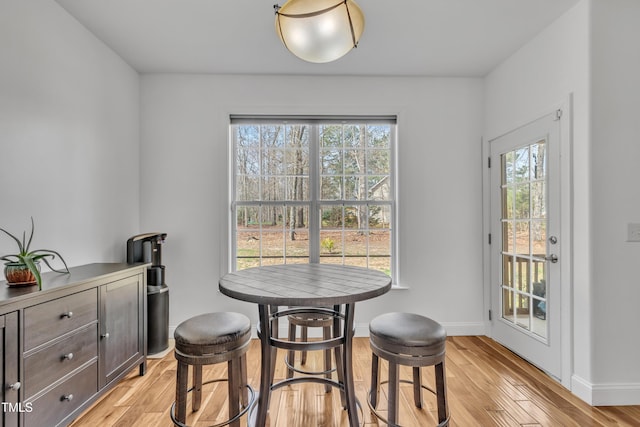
[{"x": 30, "y": 258}]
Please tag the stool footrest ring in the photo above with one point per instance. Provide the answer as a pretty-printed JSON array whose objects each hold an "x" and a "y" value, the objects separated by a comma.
[
  {"x": 384, "y": 420},
  {"x": 301, "y": 371},
  {"x": 252, "y": 399}
]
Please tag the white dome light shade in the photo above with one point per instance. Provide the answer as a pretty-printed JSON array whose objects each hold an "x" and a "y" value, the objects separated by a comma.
[{"x": 319, "y": 30}]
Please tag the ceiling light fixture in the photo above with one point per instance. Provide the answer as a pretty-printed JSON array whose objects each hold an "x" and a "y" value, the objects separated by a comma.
[{"x": 319, "y": 30}]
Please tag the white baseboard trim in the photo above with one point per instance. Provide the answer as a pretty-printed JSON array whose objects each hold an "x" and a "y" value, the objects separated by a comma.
[
  {"x": 465, "y": 328},
  {"x": 612, "y": 394},
  {"x": 581, "y": 388}
]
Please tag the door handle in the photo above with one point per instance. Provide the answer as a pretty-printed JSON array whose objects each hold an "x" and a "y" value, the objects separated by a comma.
[{"x": 553, "y": 258}]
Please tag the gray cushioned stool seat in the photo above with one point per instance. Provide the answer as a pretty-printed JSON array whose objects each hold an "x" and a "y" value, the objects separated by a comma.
[
  {"x": 411, "y": 340},
  {"x": 407, "y": 330},
  {"x": 209, "y": 339},
  {"x": 213, "y": 332}
]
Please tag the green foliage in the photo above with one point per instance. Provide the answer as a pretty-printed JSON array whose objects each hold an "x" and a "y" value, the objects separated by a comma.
[
  {"x": 328, "y": 244},
  {"x": 29, "y": 258}
]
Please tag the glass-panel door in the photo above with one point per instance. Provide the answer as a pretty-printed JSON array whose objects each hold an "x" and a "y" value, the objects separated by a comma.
[{"x": 525, "y": 274}]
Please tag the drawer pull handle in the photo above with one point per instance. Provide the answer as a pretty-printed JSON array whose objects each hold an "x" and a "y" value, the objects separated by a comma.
[
  {"x": 15, "y": 386},
  {"x": 67, "y": 356},
  {"x": 68, "y": 315},
  {"x": 67, "y": 397},
  {"x": 105, "y": 335}
]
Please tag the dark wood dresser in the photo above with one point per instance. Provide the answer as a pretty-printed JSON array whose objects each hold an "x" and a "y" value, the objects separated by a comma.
[{"x": 64, "y": 346}]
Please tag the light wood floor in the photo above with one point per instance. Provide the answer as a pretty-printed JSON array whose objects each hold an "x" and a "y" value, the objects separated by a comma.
[{"x": 487, "y": 386}]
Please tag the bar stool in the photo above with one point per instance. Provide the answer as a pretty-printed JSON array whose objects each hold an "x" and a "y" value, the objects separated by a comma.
[
  {"x": 410, "y": 340},
  {"x": 209, "y": 339},
  {"x": 307, "y": 320}
]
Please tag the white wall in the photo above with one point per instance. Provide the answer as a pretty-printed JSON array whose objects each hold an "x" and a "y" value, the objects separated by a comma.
[
  {"x": 615, "y": 143},
  {"x": 69, "y": 132},
  {"x": 184, "y": 188},
  {"x": 591, "y": 52}
]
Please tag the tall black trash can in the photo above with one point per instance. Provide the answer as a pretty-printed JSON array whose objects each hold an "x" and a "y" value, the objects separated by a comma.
[
  {"x": 157, "y": 318},
  {"x": 147, "y": 248}
]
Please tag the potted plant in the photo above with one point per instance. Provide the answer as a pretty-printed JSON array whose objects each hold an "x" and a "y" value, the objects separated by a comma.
[{"x": 23, "y": 268}]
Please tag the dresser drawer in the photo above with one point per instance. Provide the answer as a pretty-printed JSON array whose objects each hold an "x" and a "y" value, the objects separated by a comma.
[
  {"x": 54, "y": 362},
  {"x": 53, "y": 406},
  {"x": 46, "y": 321}
]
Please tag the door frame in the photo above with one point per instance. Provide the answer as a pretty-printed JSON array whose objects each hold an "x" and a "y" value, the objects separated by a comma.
[{"x": 566, "y": 230}]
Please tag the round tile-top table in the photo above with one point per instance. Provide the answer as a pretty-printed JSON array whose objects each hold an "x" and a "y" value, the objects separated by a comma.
[{"x": 309, "y": 288}]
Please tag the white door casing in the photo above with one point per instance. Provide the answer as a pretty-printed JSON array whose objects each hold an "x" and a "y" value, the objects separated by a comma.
[{"x": 528, "y": 290}]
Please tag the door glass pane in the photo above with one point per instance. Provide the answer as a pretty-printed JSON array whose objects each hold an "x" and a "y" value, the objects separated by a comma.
[
  {"x": 507, "y": 205},
  {"x": 522, "y": 311},
  {"x": 508, "y": 234},
  {"x": 507, "y": 270},
  {"x": 539, "y": 319},
  {"x": 521, "y": 165},
  {"x": 538, "y": 202},
  {"x": 522, "y": 274},
  {"x": 522, "y": 201},
  {"x": 507, "y": 305},
  {"x": 539, "y": 238},
  {"x": 538, "y": 160},
  {"x": 538, "y": 281},
  {"x": 524, "y": 237},
  {"x": 507, "y": 168},
  {"x": 539, "y": 301}
]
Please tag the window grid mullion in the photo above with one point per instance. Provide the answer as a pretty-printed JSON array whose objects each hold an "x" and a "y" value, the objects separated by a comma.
[{"x": 314, "y": 177}]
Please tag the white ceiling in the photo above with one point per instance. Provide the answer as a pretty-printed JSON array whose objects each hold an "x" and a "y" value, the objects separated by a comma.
[{"x": 401, "y": 37}]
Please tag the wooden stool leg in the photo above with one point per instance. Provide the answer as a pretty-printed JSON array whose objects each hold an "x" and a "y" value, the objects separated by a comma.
[
  {"x": 441, "y": 391},
  {"x": 197, "y": 387},
  {"x": 394, "y": 391},
  {"x": 182, "y": 375},
  {"x": 417, "y": 387},
  {"x": 326, "y": 335},
  {"x": 291, "y": 355},
  {"x": 243, "y": 380},
  {"x": 304, "y": 337},
  {"x": 375, "y": 380},
  {"x": 233, "y": 376}
]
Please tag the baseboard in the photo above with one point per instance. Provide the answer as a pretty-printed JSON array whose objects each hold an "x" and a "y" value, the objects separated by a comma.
[
  {"x": 456, "y": 329},
  {"x": 611, "y": 394}
]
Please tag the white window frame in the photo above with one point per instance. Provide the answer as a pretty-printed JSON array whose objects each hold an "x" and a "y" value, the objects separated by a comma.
[{"x": 314, "y": 176}]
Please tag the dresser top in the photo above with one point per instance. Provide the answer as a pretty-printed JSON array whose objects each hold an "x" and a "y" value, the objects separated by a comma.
[{"x": 55, "y": 284}]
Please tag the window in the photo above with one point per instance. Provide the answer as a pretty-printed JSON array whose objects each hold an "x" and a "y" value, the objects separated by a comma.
[{"x": 313, "y": 190}]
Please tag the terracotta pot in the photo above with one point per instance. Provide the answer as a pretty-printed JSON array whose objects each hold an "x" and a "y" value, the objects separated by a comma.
[{"x": 18, "y": 274}]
